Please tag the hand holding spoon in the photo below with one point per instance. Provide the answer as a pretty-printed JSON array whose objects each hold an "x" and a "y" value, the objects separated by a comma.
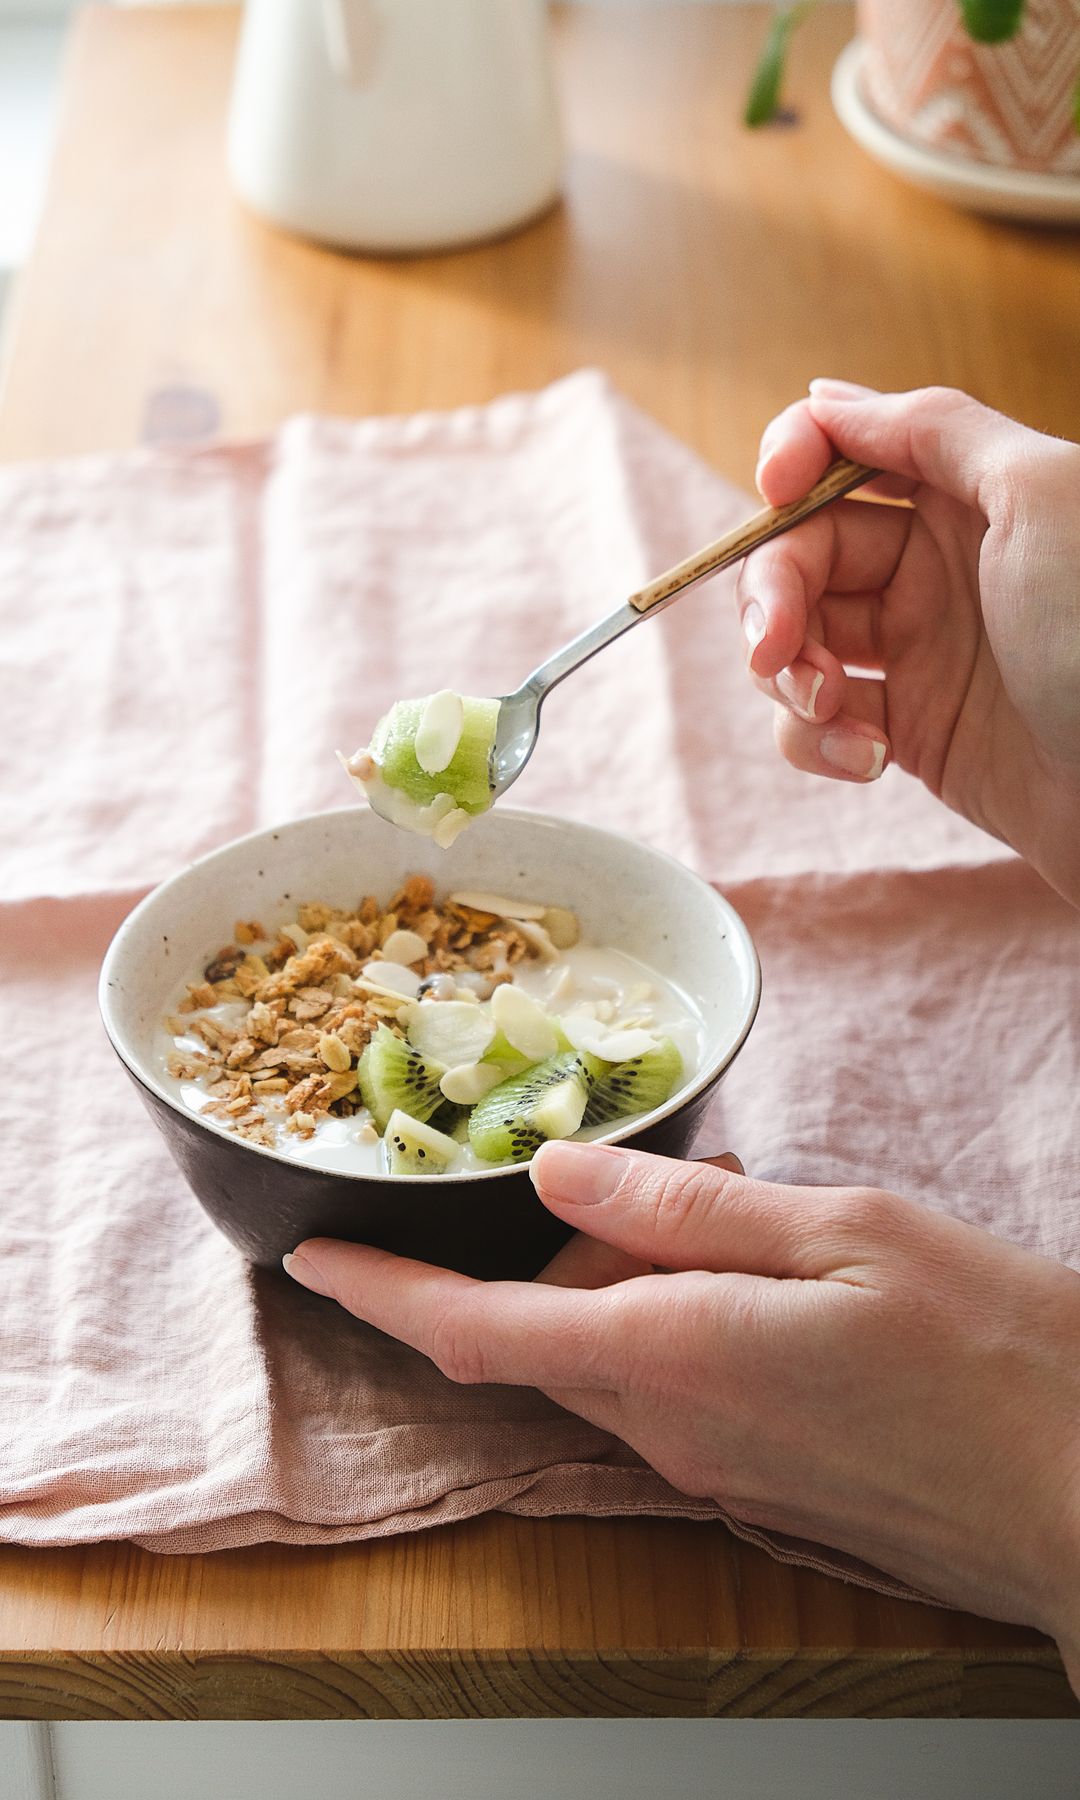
[
  {"x": 519, "y": 712},
  {"x": 434, "y": 764}
]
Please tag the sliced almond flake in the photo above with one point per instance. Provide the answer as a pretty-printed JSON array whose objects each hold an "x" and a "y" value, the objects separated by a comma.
[
  {"x": 499, "y": 905},
  {"x": 523, "y": 1023},
  {"x": 333, "y": 1051},
  {"x": 439, "y": 732},
  {"x": 564, "y": 987},
  {"x": 404, "y": 947},
  {"x": 615, "y": 1046},
  {"x": 390, "y": 978},
  {"x": 580, "y": 1023},
  {"x": 451, "y": 1031},
  {"x": 537, "y": 939},
  {"x": 450, "y": 826},
  {"x": 469, "y": 1082}
]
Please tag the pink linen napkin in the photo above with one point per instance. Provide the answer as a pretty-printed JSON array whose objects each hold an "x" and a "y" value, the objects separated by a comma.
[{"x": 186, "y": 637}]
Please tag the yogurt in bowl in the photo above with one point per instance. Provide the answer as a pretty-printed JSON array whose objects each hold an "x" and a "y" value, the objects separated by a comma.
[
  {"x": 641, "y": 921},
  {"x": 425, "y": 1036}
]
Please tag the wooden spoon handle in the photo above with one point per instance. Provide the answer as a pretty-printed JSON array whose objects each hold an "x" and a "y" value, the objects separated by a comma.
[{"x": 839, "y": 479}]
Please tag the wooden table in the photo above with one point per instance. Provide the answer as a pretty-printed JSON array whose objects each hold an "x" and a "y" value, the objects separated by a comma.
[{"x": 712, "y": 273}]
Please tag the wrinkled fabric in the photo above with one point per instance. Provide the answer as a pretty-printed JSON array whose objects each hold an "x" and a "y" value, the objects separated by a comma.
[{"x": 185, "y": 640}]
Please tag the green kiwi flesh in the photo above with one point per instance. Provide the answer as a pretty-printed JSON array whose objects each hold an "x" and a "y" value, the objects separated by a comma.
[
  {"x": 413, "y": 1148},
  {"x": 547, "y": 1101},
  {"x": 391, "y": 1073},
  {"x": 618, "y": 1089},
  {"x": 467, "y": 777}
]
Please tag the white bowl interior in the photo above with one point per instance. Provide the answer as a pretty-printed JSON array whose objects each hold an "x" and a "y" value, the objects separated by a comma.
[{"x": 627, "y": 896}]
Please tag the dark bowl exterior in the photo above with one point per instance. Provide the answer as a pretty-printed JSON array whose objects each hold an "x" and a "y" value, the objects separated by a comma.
[{"x": 495, "y": 1228}]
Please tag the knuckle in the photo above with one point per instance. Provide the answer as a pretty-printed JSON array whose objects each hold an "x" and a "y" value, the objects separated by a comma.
[
  {"x": 456, "y": 1351},
  {"x": 938, "y": 398},
  {"x": 868, "y": 1214},
  {"x": 683, "y": 1197}
]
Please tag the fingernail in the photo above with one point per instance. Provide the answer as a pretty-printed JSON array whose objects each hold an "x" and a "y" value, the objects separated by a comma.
[
  {"x": 765, "y": 455},
  {"x": 825, "y": 388},
  {"x": 753, "y": 629},
  {"x": 800, "y": 688},
  {"x": 582, "y": 1173},
  {"x": 305, "y": 1273},
  {"x": 853, "y": 754}
]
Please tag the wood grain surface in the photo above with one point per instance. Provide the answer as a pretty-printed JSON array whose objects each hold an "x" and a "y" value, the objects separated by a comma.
[{"x": 711, "y": 272}]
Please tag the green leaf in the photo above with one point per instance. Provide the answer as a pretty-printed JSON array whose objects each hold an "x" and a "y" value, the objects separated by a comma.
[
  {"x": 763, "y": 100},
  {"x": 992, "y": 21}
]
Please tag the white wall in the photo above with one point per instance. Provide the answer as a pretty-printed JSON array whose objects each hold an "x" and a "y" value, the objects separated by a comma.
[{"x": 632, "y": 1759}]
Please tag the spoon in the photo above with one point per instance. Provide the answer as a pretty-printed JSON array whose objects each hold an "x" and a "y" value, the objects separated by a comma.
[{"x": 519, "y": 713}]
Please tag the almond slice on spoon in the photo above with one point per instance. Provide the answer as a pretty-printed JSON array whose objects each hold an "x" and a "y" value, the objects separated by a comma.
[{"x": 439, "y": 731}]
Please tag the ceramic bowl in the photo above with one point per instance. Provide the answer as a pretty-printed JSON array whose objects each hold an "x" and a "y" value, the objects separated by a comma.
[{"x": 489, "y": 1223}]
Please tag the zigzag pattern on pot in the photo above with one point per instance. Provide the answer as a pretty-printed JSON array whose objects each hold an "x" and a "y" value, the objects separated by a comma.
[{"x": 1009, "y": 104}]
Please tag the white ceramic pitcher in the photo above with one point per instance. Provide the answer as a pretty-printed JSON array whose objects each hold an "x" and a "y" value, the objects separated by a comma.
[{"x": 395, "y": 125}]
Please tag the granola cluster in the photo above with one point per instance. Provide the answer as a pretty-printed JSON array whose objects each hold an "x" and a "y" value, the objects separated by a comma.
[{"x": 302, "y": 1008}]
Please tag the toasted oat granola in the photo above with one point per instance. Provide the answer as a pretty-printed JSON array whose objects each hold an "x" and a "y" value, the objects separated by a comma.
[{"x": 302, "y": 1008}]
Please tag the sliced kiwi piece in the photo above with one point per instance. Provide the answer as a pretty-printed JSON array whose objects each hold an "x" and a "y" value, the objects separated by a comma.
[
  {"x": 501, "y": 1051},
  {"x": 392, "y": 1073},
  {"x": 452, "y": 1121},
  {"x": 617, "y": 1089},
  {"x": 547, "y": 1101},
  {"x": 467, "y": 777},
  {"x": 413, "y": 1148}
]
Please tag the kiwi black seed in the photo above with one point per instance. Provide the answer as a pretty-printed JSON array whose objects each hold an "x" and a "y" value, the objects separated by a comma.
[
  {"x": 392, "y": 1073},
  {"x": 511, "y": 1122},
  {"x": 617, "y": 1090}
]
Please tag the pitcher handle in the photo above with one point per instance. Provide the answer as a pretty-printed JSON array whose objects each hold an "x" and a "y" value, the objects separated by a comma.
[{"x": 351, "y": 31}]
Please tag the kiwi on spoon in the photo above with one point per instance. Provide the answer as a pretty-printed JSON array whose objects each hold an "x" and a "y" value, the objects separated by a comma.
[{"x": 434, "y": 764}]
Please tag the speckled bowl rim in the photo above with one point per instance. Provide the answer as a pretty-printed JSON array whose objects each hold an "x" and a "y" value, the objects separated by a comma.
[{"x": 713, "y": 1068}]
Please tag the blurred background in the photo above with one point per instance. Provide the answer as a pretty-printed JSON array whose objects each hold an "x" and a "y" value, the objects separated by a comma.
[{"x": 32, "y": 34}]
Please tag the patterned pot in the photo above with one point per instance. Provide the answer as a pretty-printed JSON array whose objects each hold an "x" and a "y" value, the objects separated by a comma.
[{"x": 1009, "y": 105}]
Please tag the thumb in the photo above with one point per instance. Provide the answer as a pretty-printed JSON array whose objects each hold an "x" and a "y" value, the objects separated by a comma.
[
  {"x": 683, "y": 1215},
  {"x": 936, "y": 435}
]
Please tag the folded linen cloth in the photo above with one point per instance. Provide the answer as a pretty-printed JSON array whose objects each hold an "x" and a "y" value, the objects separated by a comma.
[{"x": 185, "y": 638}]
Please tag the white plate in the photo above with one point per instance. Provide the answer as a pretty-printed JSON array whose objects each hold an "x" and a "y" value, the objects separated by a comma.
[{"x": 1010, "y": 193}]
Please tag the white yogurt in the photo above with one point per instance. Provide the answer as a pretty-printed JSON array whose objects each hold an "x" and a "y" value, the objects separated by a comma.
[{"x": 618, "y": 986}]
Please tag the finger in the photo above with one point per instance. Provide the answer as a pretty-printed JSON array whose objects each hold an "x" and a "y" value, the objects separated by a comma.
[
  {"x": 851, "y": 746},
  {"x": 683, "y": 1215},
  {"x": 518, "y": 1332},
  {"x": 848, "y": 548},
  {"x": 850, "y": 627},
  {"x": 586, "y": 1263},
  {"x": 794, "y": 452},
  {"x": 936, "y": 435},
  {"x": 812, "y": 687}
]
